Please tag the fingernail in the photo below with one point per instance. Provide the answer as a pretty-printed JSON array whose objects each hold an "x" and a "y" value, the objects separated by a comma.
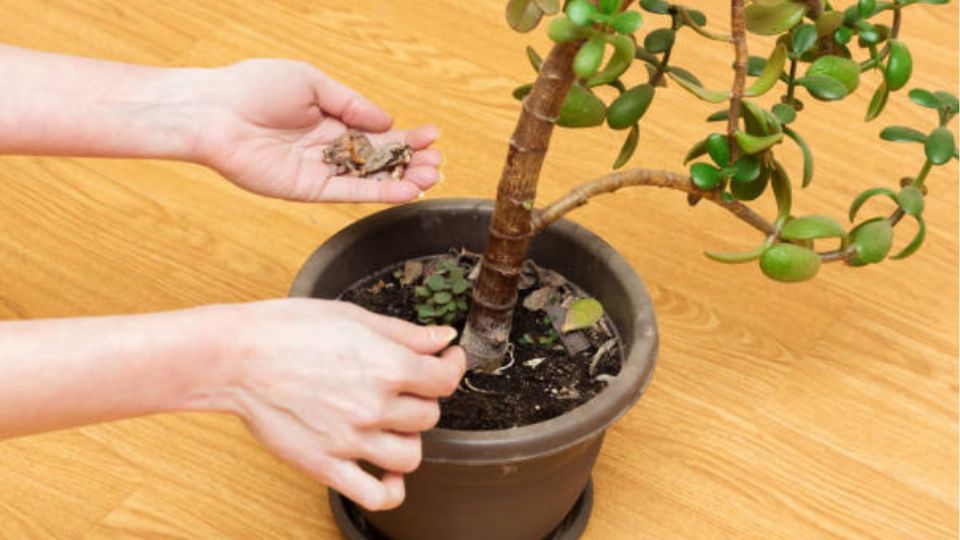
[
  {"x": 443, "y": 334},
  {"x": 421, "y": 195}
]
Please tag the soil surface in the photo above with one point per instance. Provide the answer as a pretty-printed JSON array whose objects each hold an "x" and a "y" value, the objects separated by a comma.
[{"x": 542, "y": 381}]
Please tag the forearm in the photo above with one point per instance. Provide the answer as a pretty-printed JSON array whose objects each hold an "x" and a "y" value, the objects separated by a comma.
[
  {"x": 63, "y": 373},
  {"x": 61, "y": 105}
]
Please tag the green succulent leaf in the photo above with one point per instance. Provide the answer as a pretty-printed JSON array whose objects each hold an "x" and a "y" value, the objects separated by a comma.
[
  {"x": 535, "y": 60},
  {"x": 696, "y": 20},
  {"x": 843, "y": 35},
  {"x": 899, "y": 66},
  {"x": 752, "y": 144},
  {"x": 867, "y": 195},
  {"x": 659, "y": 40},
  {"x": 581, "y": 108},
  {"x": 628, "y": 148},
  {"x": 784, "y": 113},
  {"x": 678, "y": 71},
  {"x": 697, "y": 150},
  {"x": 838, "y": 68},
  {"x": 719, "y": 149},
  {"x": 878, "y": 101},
  {"x": 758, "y": 121},
  {"x": 630, "y": 106},
  {"x": 866, "y": 8},
  {"x": 823, "y": 88},
  {"x": 655, "y": 6},
  {"x": 782, "y": 191},
  {"x": 627, "y": 22},
  {"x": 713, "y": 96},
  {"x": 609, "y": 7},
  {"x": 939, "y": 146},
  {"x": 745, "y": 169},
  {"x": 581, "y": 12},
  {"x": 425, "y": 312},
  {"x": 872, "y": 240},
  {"x": 755, "y": 65},
  {"x": 562, "y": 29},
  {"x": 582, "y": 313},
  {"x": 737, "y": 258},
  {"x": 523, "y": 15},
  {"x": 902, "y": 134},
  {"x": 917, "y": 241},
  {"x": 770, "y": 17},
  {"x": 549, "y": 7},
  {"x": 803, "y": 39},
  {"x": 910, "y": 200},
  {"x": 750, "y": 190},
  {"x": 811, "y": 228},
  {"x": 705, "y": 176},
  {"x": 442, "y": 297},
  {"x": 588, "y": 58},
  {"x": 623, "y": 51},
  {"x": 521, "y": 91},
  {"x": 807, "y": 155},
  {"x": 422, "y": 292},
  {"x": 719, "y": 116},
  {"x": 924, "y": 98},
  {"x": 771, "y": 72},
  {"x": 789, "y": 263},
  {"x": 828, "y": 22}
]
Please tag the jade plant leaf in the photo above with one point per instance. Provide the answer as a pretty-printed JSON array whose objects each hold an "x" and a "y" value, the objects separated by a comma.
[
  {"x": 789, "y": 263},
  {"x": 807, "y": 155},
  {"x": 823, "y": 88},
  {"x": 872, "y": 240},
  {"x": 910, "y": 200},
  {"x": 627, "y": 22},
  {"x": 803, "y": 39},
  {"x": 838, "y": 68},
  {"x": 719, "y": 149},
  {"x": 902, "y": 134},
  {"x": 811, "y": 228},
  {"x": 914, "y": 244},
  {"x": 581, "y": 108},
  {"x": 772, "y": 17},
  {"x": 713, "y": 96},
  {"x": 582, "y": 313},
  {"x": 549, "y": 7},
  {"x": 737, "y": 258},
  {"x": 588, "y": 58},
  {"x": 771, "y": 72},
  {"x": 878, "y": 101},
  {"x": 623, "y": 54},
  {"x": 659, "y": 40},
  {"x": 705, "y": 176},
  {"x": 752, "y": 144},
  {"x": 523, "y": 15},
  {"x": 939, "y": 146},
  {"x": 866, "y": 195},
  {"x": 629, "y": 107},
  {"x": 899, "y": 65},
  {"x": 629, "y": 147}
]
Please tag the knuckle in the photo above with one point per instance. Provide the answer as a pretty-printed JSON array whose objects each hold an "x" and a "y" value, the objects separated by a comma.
[{"x": 412, "y": 456}]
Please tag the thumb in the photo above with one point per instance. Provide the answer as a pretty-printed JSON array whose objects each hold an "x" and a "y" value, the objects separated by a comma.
[
  {"x": 354, "y": 110},
  {"x": 419, "y": 339}
]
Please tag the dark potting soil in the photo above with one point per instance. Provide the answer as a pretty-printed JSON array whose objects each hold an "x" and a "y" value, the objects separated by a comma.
[{"x": 542, "y": 381}]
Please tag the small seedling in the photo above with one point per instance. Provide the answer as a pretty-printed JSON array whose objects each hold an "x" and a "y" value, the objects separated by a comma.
[{"x": 443, "y": 294}]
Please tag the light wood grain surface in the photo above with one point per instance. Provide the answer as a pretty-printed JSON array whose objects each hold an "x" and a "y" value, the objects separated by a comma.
[{"x": 821, "y": 410}]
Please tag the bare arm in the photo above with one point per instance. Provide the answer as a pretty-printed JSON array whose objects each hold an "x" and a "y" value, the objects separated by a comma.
[{"x": 321, "y": 384}]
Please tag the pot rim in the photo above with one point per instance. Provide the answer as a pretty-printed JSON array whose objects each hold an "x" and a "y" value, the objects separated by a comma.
[{"x": 543, "y": 438}]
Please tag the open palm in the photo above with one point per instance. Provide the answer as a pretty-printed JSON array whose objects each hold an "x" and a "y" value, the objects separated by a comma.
[{"x": 276, "y": 117}]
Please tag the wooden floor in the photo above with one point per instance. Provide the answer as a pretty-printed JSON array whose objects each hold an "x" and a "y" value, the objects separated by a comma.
[{"x": 821, "y": 410}]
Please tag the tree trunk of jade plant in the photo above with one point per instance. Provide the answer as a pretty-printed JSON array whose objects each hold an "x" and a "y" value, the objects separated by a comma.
[{"x": 495, "y": 294}]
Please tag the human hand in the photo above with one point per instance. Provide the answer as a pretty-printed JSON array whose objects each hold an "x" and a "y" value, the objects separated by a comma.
[
  {"x": 275, "y": 117},
  {"x": 325, "y": 384}
]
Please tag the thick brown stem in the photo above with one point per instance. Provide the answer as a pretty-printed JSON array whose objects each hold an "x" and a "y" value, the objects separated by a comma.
[
  {"x": 579, "y": 196},
  {"x": 495, "y": 293},
  {"x": 739, "y": 32},
  {"x": 814, "y": 8}
]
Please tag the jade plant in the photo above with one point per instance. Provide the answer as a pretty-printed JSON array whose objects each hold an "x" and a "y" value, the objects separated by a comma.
[{"x": 820, "y": 52}]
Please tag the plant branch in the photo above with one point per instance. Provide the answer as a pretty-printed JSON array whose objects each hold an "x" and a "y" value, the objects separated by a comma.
[
  {"x": 894, "y": 33},
  {"x": 738, "y": 30},
  {"x": 662, "y": 66},
  {"x": 814, "y": 8},
  {"x": 614, "y": 181}
]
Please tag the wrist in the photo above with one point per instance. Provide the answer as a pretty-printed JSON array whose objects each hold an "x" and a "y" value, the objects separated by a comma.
[{"x": 210, "y": 368}]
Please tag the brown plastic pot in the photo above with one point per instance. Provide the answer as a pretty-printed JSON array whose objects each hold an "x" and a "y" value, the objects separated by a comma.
[{"x": 511, "y": 484}]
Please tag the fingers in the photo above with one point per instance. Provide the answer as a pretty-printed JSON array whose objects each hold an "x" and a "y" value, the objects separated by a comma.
[
  {"x": 419, "y": 339},
  {"x": 431, "y": 376},
  {"x": 351, "y": 108},
  {"x": 417, "y": 138},
  {"x": 361, "y": 487},
  {"x": 392, "y": 451},
  {"x": 352, "y": 189},
  {"x": 410, "y": 414}
]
